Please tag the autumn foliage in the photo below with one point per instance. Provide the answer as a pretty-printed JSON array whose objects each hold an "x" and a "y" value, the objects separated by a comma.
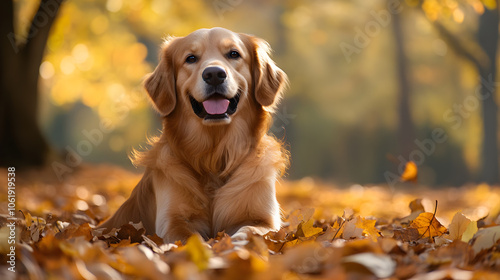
[{"x": 360, "y": 232}]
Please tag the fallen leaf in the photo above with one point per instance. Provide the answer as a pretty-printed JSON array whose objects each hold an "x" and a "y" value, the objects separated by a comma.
[
  {"x": 351, "y": 231},
  {"x": 407, "y": 234},
  {"x": 452, "y": 273},
  {"x": 327, "y": 235},
  {"x": 469, "y": 231},
  {"x": 73, "y": 230},
  {"x": 307, "y": 229},
  {"x": 416, "y": 205},
  {"x": 130, "y": 231},
  {"x": 382, "y": 266},
  {"x": 140, "y": 261},
  {"x": 368, "y": 227},
  {"x": 298, "y": 216},
  {"x": 427, "y": 225},
  {"x": 224, "y": 244},
  {"x": 485, "y": 239},
  {"x": 458, "y": 226},
  {"x": 199, "y": 253}
]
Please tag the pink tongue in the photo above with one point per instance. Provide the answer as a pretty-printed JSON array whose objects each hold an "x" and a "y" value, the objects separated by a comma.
[{"x": 216, "y": 106}]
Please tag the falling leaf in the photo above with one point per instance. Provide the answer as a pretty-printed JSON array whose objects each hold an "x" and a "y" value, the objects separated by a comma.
[
  {"x": 485, "y": 239},
  {"x": 427, "y": 225},
  {"x": 458, "y": 225},
  {"x": 198, "y": 253},
  {"x": 410, "y": 172}
]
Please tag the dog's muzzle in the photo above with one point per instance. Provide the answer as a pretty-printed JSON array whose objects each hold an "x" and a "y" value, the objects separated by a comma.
[{"x": 215, "y": 107}]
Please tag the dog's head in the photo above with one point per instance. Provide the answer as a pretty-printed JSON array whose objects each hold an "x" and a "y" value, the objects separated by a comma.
[{"x": 215, "y": 74}]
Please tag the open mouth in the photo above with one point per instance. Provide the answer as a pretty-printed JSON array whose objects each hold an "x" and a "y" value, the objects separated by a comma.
[{"x": 216, "y": 107}]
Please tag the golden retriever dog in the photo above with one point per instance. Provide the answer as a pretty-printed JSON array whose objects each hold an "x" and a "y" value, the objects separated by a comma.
[{"x": 214, "y": 167}]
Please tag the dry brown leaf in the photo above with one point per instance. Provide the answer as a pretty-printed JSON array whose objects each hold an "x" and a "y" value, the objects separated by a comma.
[
  {"x": 129, "y": 231},
  {"x": 407, "y": 234},
  {"x": 485, "y": 239},
  {"x": 73, "y": 230},
  {"x": 416, "y": 205},
  {"x": 224, "y": 244},
  {"x": 351, "y": 231},
  {"x": 458, "y": 225}
]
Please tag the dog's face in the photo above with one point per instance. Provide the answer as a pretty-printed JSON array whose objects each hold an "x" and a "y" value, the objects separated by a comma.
[{"x": 215, "y": 74}]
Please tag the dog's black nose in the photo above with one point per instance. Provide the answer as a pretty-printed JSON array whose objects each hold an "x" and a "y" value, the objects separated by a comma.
[{"x": 214, "y": 75}]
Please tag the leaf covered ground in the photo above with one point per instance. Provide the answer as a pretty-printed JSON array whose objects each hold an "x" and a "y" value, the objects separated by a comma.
[{"x": 330, "y": 232}]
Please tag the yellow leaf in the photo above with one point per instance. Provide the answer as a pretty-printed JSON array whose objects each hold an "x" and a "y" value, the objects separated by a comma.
[
  {"x": 307, "y": 229},
  {"x": 199, "y": 254},
  {"x": 28, "y": 219},
  {"x": 458, "y": 226},
  {"x": 427, "y": 225},
  {"x": 410, "y": 173},
  {"x": 258, "y": 263},
  {"x": 469, "y": 231},
  {"x": 368, "y": 227}
]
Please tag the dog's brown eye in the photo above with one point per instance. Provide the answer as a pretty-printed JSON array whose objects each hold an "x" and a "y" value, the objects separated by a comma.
[
  {"x": 191, "y": 59},
  {"x": 233, "y": 54}
]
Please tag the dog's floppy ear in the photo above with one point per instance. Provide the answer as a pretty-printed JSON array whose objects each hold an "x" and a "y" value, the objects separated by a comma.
[
  {"x": 160, "y": 84},
  {"x": 269, "y": 80}
]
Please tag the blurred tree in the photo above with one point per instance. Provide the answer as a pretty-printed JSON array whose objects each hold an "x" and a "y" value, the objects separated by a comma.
[
  {"x": 406, "y": 129},
  {"x": 483, "y": 55},
  {"x": 21, "y": 140},
  {"x": 488, "y": 40}
]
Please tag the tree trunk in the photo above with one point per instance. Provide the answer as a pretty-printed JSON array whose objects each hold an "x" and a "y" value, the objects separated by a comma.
[
  {"x": 488, "y": 40},
  {"x": 21, "y": 140},
  {"x": 406, "y": 132}
]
